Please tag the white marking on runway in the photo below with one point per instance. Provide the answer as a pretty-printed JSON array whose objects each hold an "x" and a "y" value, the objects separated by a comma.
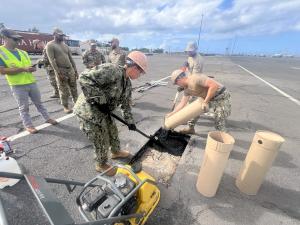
[
  {"x": 296, "y": 68},
  {"x": 272, "y": 86},
  {"x": 25, "y": 133}
]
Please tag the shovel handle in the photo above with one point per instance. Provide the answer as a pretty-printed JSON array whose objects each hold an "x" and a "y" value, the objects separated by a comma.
[
  {"x": 124, "y": 122},
  {"x": 175, "y": 100}
]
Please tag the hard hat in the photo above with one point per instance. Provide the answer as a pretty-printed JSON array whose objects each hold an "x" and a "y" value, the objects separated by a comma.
[
  {"x": 58, "y": 31},
  {"x": 140, "y": 59},
  {"x": 175, "y": 74},
  {"x": 10, "y": 34},
  {"x": 191, "y": 47}
]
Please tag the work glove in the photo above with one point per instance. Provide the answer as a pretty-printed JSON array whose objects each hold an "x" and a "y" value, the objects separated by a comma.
[
  {"x": 204, "y": 107},
  {"x": 180, "y": 89},
  {"x": 104, "y": 108},
  {"x": 131, "y": 126}
]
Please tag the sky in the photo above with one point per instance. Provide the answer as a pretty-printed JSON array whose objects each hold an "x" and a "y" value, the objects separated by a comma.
[{"x": 240, "y": 26}]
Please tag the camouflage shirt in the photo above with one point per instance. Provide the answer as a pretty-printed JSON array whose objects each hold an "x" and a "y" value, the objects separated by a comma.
[
  {"x": 92, "y": 58},
  {"x": 117, "y": 56},
  {"x": 105, "y": 85},
  {"x": 45, "y": 61},
  {"x": 195, "y": 64}
]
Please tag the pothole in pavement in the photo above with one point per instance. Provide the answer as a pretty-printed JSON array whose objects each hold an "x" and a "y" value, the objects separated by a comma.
[{"x": 160, "y": 157}]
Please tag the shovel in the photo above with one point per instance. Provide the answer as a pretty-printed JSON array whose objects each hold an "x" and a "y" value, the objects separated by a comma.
[{"x": 153, "y": 138}]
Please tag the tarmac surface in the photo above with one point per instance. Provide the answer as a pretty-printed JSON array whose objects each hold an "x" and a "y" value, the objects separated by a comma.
[{"x": 64, "y": 152}]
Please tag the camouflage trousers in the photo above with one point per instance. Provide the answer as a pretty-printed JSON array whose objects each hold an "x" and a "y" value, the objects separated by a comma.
[
  {"x": 52, "y": 79},
  {"x": 221, "y": 107},
  {"x": 103, "y": 135},
  {"x": 67, "y": 86}
]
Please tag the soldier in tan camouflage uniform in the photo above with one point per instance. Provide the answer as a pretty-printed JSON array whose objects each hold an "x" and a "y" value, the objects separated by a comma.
[
  {"x": 194, "y": 65},
  {"x": 60, "y": 58},
  {"x": 93, "y": 57},
  {"x": 103, "y": 90},
  {"x": 116, "y": 56},
  {"x": 44, "y": 61},
  {"x": 214, "y": 94}
]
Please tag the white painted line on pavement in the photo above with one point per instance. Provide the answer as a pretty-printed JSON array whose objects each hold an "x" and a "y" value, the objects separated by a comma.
[
  {"x": 296, "y": 68},
  {"x": 272, "y": 86},
  {"x": 25, "y": 133}
]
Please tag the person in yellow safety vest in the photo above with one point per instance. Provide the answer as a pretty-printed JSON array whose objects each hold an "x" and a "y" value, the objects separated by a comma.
[{"x": 16, "y": 65}]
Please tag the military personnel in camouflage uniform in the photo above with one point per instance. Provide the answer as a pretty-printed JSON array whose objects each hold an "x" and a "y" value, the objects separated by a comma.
[
  {"x": 93, "y": 57},
  {"x": 103, "y": 90},
  {"x": 44, "y": 61},
  {"x": 194, "y": 65},
  {"x": 116, "y": 56},
  {"x": 214, "y": 94},
  {"x": 60, "y": 58}
]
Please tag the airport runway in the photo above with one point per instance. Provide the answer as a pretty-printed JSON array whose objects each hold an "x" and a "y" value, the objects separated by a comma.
[{"x": 64, "y": 152}]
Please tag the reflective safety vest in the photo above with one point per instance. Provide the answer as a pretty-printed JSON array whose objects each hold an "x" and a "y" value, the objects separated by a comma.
[{"x": 11, "y": 61}]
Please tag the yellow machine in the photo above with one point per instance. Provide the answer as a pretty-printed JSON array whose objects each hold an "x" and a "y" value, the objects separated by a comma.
[{"x": 127, "y": 198}]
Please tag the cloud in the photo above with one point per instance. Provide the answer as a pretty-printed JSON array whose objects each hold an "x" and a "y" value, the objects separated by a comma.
[{"x": 153, "y": 22}]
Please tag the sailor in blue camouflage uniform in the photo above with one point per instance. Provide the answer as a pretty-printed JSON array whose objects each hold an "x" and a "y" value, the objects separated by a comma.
[{"x": 103, "y": 90}]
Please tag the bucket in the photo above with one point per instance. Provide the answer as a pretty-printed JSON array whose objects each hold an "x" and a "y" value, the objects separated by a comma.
[
  {"x": 259, "y": 159},
  {"x": 218, "y": 147}
]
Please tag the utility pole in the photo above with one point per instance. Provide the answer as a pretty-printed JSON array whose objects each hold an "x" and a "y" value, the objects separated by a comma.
[
  {"x": 234, "y": 44},
  {"x": 200, "y": 31}
]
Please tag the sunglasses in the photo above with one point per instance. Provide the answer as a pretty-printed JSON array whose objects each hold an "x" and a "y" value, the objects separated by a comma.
[
  {"x": 140, "y": 69},
  {"x": 179, "y": 77}
]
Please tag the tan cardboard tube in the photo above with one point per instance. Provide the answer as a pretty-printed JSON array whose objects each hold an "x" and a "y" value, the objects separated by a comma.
[
  {"x": 218, "y": 147},
  {"x": 184, "y": 115},
  {"x": 262, "y": 152}
]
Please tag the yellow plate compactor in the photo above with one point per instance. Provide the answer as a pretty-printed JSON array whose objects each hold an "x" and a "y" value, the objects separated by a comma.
[{"x": 127, "y": 198}]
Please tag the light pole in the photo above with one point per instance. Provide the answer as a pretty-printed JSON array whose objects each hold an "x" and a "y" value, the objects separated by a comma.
[{"x": 200, "y": 31}]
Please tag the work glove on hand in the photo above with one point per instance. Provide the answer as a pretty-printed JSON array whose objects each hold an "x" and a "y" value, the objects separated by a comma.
[
  {"x": 205, "y": 107},
  {"x": 104, "y": 108},
  {"x": 180, "y": 89},
  {"x": 131, "y": 126}
]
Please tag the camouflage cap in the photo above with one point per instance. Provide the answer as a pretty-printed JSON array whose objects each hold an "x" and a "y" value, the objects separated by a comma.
[
  {"x": 114, "y": 40},
  {"x": 191, "y": 47},
  {"x": 10, "y": 34},
  {"x": 58, "y": 31},
  {"x": 93, "y": 42}
]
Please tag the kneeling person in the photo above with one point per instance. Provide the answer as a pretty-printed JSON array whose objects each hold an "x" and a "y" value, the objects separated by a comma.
[
  {"x": 214, "y": 94},
  {"x": 103, "y": 90}
]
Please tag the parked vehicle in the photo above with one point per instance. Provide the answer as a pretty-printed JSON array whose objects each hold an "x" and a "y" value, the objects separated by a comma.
[{"x": 28, "y": 37}]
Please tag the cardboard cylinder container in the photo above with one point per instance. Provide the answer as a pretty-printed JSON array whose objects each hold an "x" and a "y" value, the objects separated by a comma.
[
  {"x": 259, "y": 159},
  {"x": 218, "y": 147},
  {"x": 184, "y": 115}
]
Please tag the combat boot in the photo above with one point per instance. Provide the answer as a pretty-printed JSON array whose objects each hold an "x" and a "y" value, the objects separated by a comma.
[
  {"x": 188, "y": 130},
  {"x": 120, "y": 154},
  {"x": 102, "y": 167},
  {"x": 55, "y": 95},
  {"x": 31, "y": 130},
  {"x": 67, "y": 110}
]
